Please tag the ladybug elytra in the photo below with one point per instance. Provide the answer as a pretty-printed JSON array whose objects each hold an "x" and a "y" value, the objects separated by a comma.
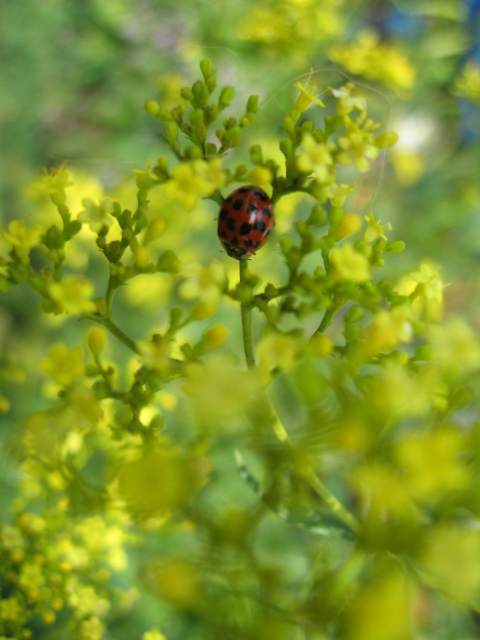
[{"x": 245, "y": 221}]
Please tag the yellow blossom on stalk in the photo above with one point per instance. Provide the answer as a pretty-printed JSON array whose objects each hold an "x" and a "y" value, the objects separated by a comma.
[
  {"x": 278, "y": 350},
  {"x": 316, "y": 158},
  {"x": 356, "y": 144},
  {"x": 338, "y": 193},
  {"x": 374, "y": 229},
  {"x": 455, "y": 345},
  {"x": 64, "y": 365},
  {"x": 92, "y": 629},
  {"x": 388, "y": 329},
  {"x": 467, "y": 84},
  {"x": 346, "y": 102},
  {"x": 73, "y": 295},
  {"x": 431, "y": 283},
  {"x": 307, "y": 95},
  {"x": 350, "y": 264},
  {"x": 203, "y": 283},
  {"x": 153, "y": 634},
  {"x": 195, "y": 179},
  {"x": 22, "y": 238},
  {"x": 53, "y": 184},
  {"x": 385, "y": 62},
  {"x": 96, "y": 215},
  {"x": 451, "y": 556},
  {"x": 432, "y": 462}
]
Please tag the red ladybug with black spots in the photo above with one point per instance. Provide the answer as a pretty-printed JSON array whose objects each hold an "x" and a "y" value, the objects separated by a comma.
[{"x": 245, "y": 222}]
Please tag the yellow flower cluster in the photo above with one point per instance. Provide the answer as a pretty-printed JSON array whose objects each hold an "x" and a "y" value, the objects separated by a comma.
[
  {"x": 384, "y": 62},
  {"x": 296, "y": 23},
  {"x": 22, "y": 239},
  {"x": 73, "y": 295},
  {"x": 192, "y": 180}
]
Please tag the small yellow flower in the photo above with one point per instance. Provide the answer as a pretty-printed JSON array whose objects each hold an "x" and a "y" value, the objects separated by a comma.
[
  {"x": 192, "y": 180},
  {"x": 10, "y": 609},
  {"x": 156, "y": 354},
  {"x": 278, "y": 350},
  {"x": 307, "y": 95},
  {"x": 22, "y": 238},
  {"x": 338, "y": 193},
  {"x": 350, "y": 264},
  {"x": 53, "y": 184},
  {"x": 374, "y": 229},
  {"x": 96, "y": 215},
  {"x": 73, "y": 295},
  {"x": 456, "y": 346},
  {"x": 204, "y": 283},
  {"x": 346, "y": 102},
  {"x": 388, "y": 329},
  {"x": 64, "y": 365},
  {"x": 432, "y": 285},
  {"x": 316, "y": 159}
]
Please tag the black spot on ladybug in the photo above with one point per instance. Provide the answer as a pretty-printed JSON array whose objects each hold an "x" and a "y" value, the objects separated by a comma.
[
  {"x": 257, "y": 244},
  {"x": 251, "y": 207},
  {"x": 223, "y": 214},
  {"x": 231, "y": 224},
  {"x": 243, "y": 190},
  {"x": 268, "y": 232},
  {"x": 261, "y": 195},
  {"x": 260, "y": 225},
  {"x": 238, "y": 204},
  {"x": 267, "y": 211},
  {"x": 247, "y": 243},
  {"x": 224, "y": 235},
  {"x": 245, "y": 228},
  {"x": 234, "y": 240}
]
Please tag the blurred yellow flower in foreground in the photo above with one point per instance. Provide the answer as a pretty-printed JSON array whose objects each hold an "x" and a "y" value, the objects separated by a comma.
[
  {"x": 73, "y": 295},
  {"x": 350, "y": 264},
  {"x": 22, "y": 238},
  {"x": 64, "y": 365}
]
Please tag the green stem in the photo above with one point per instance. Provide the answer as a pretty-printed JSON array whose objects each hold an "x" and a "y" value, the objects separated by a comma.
[
  {"x": 109, "y": 295},
  {"x": 246, "y": 313},
  {"x": 115, "y": 330},
  {"x": 327, "y": 318},
  {"x": 304, "y": 470}
]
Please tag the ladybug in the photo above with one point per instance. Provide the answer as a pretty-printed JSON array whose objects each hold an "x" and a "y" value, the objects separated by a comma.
[{"x": 245, "y": 222}]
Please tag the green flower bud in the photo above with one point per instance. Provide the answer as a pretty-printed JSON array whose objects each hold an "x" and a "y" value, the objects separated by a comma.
[
  {"x": 252, "y": 104},
  {"x": 171, "y": 132},
  {"x": 226, "y": 96},
  {"x": 385, "y": 140},
  {"x": 318, "y": 216},
  {"x": 396, "y": 247},
  {"x": 187, "y": 94},
  {"x": 286, "y": 147},
  {"x": 200, "y": 93},
  {"x": 197, "y": 117},
  {"x": 168, "y": 262},
  {"x": 206, "y": 68},
  {"x": 152, "y": 107},
  {"x": 53, "y": 238},
  {"x": 256, "y": 154},
  {"x": 155, "y": 229},
  {"x": 96, "y": 340},
  {"x": 210, "y": 149},
  {"x": 355, "y": 314}
]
